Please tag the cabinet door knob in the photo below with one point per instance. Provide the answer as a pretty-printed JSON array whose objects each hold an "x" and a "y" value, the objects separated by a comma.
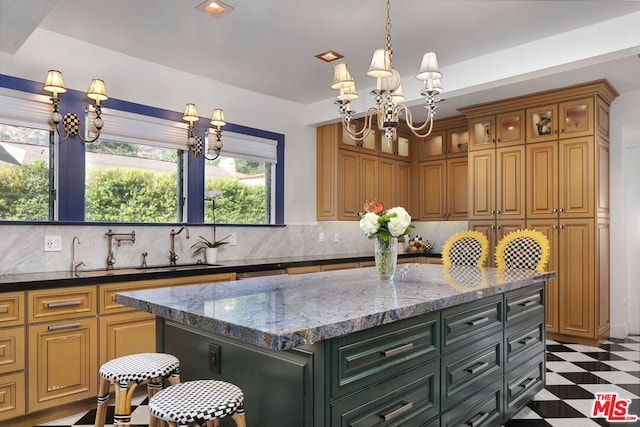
[
  {"x": 561, "y": 130},
  {"x": 561, "y": 209},
  {"x": 555, "y": 227},
  {"x": 498, "y": 211},
  {"x": 497, "y": 139},
  {"x": 555, "y": 210},
  {"x": 562, "y": 227}
]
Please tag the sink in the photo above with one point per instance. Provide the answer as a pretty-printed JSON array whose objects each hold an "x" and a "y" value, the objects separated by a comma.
[{"x": 151, "y": 269}]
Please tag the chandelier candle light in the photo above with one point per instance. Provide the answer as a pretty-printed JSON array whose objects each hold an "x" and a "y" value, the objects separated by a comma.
[
  {"x": 385, "y": 227},
  {"x": 388, "y": 95}
]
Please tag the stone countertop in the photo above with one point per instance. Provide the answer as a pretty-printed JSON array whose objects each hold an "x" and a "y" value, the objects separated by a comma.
[
  {"x": 52, "y": 279},
  {"x": 286, "y": 311}
]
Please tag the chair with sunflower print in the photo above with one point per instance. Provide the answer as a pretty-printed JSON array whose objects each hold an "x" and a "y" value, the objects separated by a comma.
[
  {"x": 523, "y": 249},
  {"x": 469, "y": 248}
]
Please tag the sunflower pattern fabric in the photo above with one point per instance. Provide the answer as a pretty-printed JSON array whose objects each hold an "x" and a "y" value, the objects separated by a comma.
[
  {"x": 523, "y": 249},
  {"x": 468, "y": 248}
]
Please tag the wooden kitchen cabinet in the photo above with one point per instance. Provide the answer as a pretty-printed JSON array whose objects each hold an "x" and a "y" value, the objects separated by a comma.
[
  {"x": 395, "y": 184},
  {"x": 499, "y": 130},
  {"x": 569, "y": 119},
  {"x": 496, "y": 183},
  {"x": 398, "y": 148},
  {"x": 12, "y": 390},
  {"x": 63, "y": 346},
  {"x": 367, "y": 145},
  {"x": 12, "y": 355},
  {"x": 357, "y": 182},
  {"x": 443, "y": 190}
]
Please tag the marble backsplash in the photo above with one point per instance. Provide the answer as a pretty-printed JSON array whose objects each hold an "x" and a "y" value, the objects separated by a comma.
[{"x": 22, "y": 246}]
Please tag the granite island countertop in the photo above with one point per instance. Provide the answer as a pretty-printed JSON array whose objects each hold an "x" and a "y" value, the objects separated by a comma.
[{"x": 286, "y": 311}]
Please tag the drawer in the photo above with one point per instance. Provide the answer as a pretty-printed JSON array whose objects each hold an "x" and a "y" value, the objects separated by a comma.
[
  {"x": 524, "y": 304},
  {"x": 63, "y": 303},
  {"x": 482, "y": 409},
  {"x": 304, "y": 269},
  {"x": 12, "y": 349},
  {"x": 521, "y": 344},
  {"x": 410, "y": 399},
  {"x": 341, "y": 266},
  {"x": 522, "y": 385},
  {"x": 470, "y": 322},
  {"x": 108, "y": 292},
  {"x": 12, "y": 395},
  {"x": 366, "y": 358},
  {"x": 11, "y": 309},
  {"x": 470, "y": 370}
]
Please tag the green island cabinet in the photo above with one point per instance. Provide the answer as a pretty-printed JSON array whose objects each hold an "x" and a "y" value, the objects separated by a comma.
[{"x": 474, "y": 364}]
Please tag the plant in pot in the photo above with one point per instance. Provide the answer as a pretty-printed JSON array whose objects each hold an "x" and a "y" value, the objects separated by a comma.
[{"x": 210, "y": 247}]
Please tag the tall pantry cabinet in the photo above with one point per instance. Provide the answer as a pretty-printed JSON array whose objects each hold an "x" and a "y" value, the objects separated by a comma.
[{"x": 555, "y": 179}]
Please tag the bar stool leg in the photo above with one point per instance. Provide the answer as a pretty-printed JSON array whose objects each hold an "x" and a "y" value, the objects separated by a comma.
[
  {"x": 103, "y": 398},
  {"x": 239, "y": 419},
  {"x": 154, "y": 385},
  {"x": 174, "y": 377},
  {"x": 124, "y": 393}
]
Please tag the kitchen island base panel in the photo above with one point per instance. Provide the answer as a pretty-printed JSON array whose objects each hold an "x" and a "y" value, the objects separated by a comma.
[{"x": 276, "y": 384}]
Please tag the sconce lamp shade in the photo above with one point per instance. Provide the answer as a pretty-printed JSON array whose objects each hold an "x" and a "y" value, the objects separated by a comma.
[
  {"x": 97, "y": 91},
  {"x": 348, "y": 94},
  {"x": 341, "y": 77},
  {"x": 429, "y": 67},
  {"x": 217, "y": 119},
  {"x": 190, "y": 114},
  {"x": 54, "y": 83},
  {"x": 380, "y": 64}
]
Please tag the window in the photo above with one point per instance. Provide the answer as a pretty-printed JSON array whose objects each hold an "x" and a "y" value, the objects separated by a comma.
[
  {"x": 127, "y": 182},
  {"x": 239, "y": 182},
  {"x": 241, "y": 190},
  {"x": 25, "y": 174}
]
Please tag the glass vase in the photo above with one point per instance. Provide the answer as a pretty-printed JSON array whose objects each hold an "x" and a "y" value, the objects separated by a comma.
[{"x": 386, "y": 256}]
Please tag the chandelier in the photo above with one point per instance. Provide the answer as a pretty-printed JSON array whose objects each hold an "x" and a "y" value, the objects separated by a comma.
[
  {"x": 388, "y": 94},
  {"x": 209, "y": 149},
  {"x": 71, "y": 121}
]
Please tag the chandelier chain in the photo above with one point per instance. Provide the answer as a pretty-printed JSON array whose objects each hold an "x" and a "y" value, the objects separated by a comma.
[{"x": 388, "y": 31}]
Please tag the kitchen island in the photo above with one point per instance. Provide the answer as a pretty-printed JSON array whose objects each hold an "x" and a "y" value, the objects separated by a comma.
[{"x": 436, "y": 346}]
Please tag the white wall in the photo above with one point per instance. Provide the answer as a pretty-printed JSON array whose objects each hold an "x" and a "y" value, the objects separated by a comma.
[{"x": 625, "y": 215}]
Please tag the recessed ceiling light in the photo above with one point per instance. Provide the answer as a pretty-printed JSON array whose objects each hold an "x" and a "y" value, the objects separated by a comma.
[
  {"x": 214, "y": 7},
  {"x": 329, "y": 56}
]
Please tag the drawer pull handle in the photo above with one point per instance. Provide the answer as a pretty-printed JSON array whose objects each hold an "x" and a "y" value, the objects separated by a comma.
[
  {"x": 397, "y": 350},
  {"x": 4, "y": 308},
  {"x": 64, "y": 303},
  {"x": 65, "y": 326},
  {"x": 527, "y": 341},
  {"x": 478, "y": 420},
  {"x": 478, "y": 321},
  {"x": 479, "y": 367},
  {"x": 406, "y": 407},
  {"x": 528, "y": 383},
  {"x": 529, "y": 303}
]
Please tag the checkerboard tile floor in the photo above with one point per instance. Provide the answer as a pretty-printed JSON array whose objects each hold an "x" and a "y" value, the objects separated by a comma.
[{"x": 575, "y": 373}]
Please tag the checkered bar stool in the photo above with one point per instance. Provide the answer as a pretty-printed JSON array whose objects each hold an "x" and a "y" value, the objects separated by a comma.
[
  {"x": 524, "y": 249},
  {"x": 126, "y": 373},
  {"x": 469, "y": 248},
  {"x": 203, "y": 402}
]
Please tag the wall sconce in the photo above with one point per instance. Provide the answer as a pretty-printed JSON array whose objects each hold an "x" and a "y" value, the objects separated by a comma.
[
  {"x": 195, "y": 143},
  {"x": 71, "y": 121}
]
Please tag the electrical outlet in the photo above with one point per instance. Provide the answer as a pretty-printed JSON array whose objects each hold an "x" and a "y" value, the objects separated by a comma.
[
  {"x": 214, "y": 358},
  {"x": 52, "y": 243},
  {"x": 232, "y": 239},
  {"x": 321, "y": 237},
  {"x": 336, "y": 238}
]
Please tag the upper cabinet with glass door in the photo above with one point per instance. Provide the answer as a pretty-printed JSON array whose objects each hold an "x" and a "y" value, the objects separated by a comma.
[
  {"x": 564, "y": 120},
  {"x": 449, "y": 138},
  {"x": 499, "y": 130},
  {"x": 398, "y": 147},
  {"x": 364, "y": 145}
]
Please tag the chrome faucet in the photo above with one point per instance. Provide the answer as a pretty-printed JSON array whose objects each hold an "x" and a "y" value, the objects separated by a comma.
[
  {"x": 75, "y": 264},
  {"x": 173, "y": 257},
  {"x": 118, "y": 237}
]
